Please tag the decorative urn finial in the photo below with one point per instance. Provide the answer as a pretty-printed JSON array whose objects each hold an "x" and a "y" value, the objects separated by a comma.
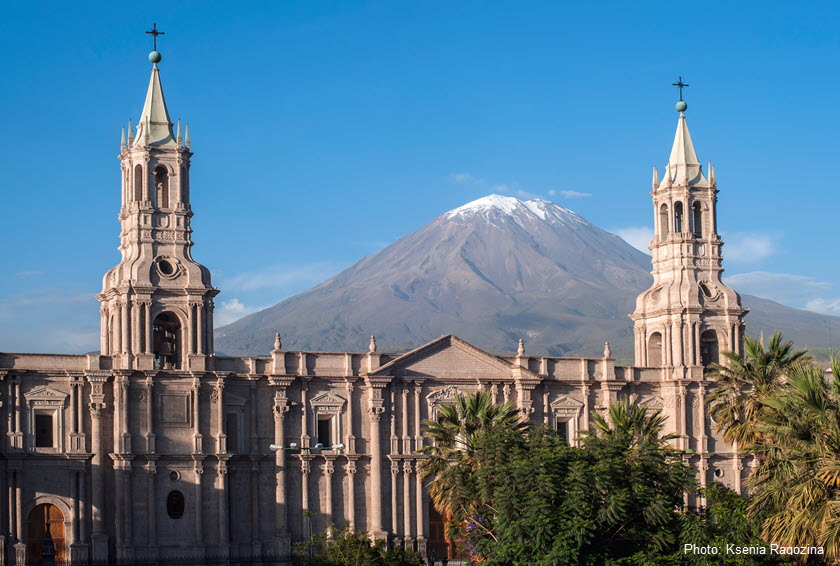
[
  {"x": 607, "y": 351},
  {"x": 521, "y": 349},
  {"x": 372, "y": 347},
  {"x": 278, "y": 344}
]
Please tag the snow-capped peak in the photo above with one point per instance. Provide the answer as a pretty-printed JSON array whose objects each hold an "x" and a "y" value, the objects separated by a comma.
[
  {"x": 542, "y": 209},
  {"x": 505, "y": 204}
]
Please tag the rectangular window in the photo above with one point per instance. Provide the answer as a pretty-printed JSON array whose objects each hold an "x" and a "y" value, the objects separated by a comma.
[
  {"x": 232, "y": 431},
  {"x": 325, "y": 431},
  {"x": 44, "y": 431},
  {"x": 563, "y": 430}
]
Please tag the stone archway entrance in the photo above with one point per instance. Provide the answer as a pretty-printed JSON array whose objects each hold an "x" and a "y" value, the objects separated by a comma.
[
  {"x": 440, "y": 545},
  {"x": 42, "y": 518}
]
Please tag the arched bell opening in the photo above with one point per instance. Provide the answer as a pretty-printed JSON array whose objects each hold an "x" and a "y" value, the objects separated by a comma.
[
  {"x": 697, "y": 220},
  {"x": 654, "y": 350},
  {"x": 663, "y": 220},
  {"x": 167, "y": 341},
  {"x": 709, "y": 349},
  {"x": 678, "y": 217},
  {"x": 161, "y": 187},
  {"x": 45, "y": 543}
]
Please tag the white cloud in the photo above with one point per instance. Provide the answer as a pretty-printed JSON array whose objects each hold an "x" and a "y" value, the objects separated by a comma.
[
  {"x": 637, "y": 236},
  {"x": 785, "y": 288},
  {"x": 231, "y": 311},
  {"x": 568, "y": 194},
  {"x": 748, "y": 246},
  {"x": 282, "y": 277},
  {"x": 824, "y": 306},
  {"x": 465, "y": 179}
]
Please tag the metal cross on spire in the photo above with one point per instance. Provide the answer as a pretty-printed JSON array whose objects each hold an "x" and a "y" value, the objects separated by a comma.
[
  {"x": 679, "y": 84},
  {"x": 155, "y": 33}
]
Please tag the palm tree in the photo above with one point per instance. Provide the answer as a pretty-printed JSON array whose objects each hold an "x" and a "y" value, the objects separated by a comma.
[
  {"x": 454, "y": 434},
  {"x": 743, "y": 383},
  {"x": 634, "y": 422},
  {"x": 797, "y": 483}
]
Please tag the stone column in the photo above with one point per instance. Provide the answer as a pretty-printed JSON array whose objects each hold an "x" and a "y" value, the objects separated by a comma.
[
  {"x": 406, "y": 469},
  {"x": 198, "y": 447},
  {"x": 151, "y": 498},
  {"x": 199, "y": 503},
  {"x": 418, "y": 435},
  {"x": 222, "y": 490},
  {"x": 375, "y": 512},
  {"x": 20, "y": 547},
  {"x": 351, "y": 439},
  {"x": 395, "y": 472},
  {"x": 282, "y": 540},
  {"x": 147, "y": 327},
  {"x": 406, "y": 440},
  {"x": 126, "y": 327},
  {"x": 148, "y": 395},
  {"x": 305, "y": 468},
  {"x": 99, "y": 537},
  {"x": 104, "y": 346},
  {"x": 191, "y": 329},
  {"x": 351, "y": 493},
  {"x": 329, "y": 469},
  {"x": 422, "y": 514},
  {"x": 392, "y": 411},
  {"x": 199, "y": 337},
  {"x": 83, "y": 511},
  {"x": 255, "y": 505}
]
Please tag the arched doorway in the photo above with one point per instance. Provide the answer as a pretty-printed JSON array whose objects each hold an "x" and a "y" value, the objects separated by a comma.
[
  {"x": 709, "y": 350},
  {"x": 46, "y": 522},
  {"x": 167, "y": 341},
  {"x": 440, "y": 546}
]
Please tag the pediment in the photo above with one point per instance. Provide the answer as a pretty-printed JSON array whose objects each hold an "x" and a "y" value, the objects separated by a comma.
[
  {"x": 449, "y": 357},
  {"x": 653, "y": 403},
  {"x": 46, "y": 395},
  {"x": 566, "y": 404},
  {"x": 235, "y": 400},
  {"x": 327, "y": 400},
  {"x": 442, "y": 396}
]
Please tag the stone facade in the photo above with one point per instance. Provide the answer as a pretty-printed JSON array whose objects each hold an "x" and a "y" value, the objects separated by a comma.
[{"x": 159, "y": 447}]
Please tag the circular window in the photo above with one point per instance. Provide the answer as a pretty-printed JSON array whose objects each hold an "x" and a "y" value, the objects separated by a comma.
[
  {"x": 718, "y": 473},
  {"x": 165, "y": 267},
  {"x": 174, "y": 476},
  {"x": 175, "y": 504}
]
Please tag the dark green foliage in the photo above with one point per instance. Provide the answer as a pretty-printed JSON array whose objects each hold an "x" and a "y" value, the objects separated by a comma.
[
  {"x": 534, "y": 500},
  {"x": 723, "y": 521},
  {"x": 351, "y": 548}
]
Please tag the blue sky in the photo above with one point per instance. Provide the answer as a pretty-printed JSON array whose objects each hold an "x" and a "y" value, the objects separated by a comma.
[{"x": 323, "y": 131}]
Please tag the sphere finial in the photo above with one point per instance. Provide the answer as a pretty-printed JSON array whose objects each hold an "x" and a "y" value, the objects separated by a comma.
[
  {"x": 155, "y": 57},
  {"x": 681, "y": 106}
]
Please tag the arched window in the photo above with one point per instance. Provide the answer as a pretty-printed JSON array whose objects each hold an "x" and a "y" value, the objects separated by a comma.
[
  {"x": 663, "y": 219},
  {"x": 697, "y": 220},
  {"x": 162, "y": 187},
  {"x": 175, "y": 504},
  {"x": 655, "y": 350},
  {"x": 709, "y": 352},
  {"x": 138, "y": 182},
  {"x": 678, "y": 217},
  {"x": 167, "y": 341}
]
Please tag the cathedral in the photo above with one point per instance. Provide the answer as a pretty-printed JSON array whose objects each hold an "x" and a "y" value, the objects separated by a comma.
[{"x": 157, "y": 447}]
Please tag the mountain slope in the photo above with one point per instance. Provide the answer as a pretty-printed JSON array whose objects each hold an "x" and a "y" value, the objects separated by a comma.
[{"x": 491, "y": 271}]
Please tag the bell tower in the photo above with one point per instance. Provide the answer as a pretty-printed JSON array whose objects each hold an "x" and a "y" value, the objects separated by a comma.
[
  {"x": 688, "y": 316},
  {"x": 157, "y": 303}
]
